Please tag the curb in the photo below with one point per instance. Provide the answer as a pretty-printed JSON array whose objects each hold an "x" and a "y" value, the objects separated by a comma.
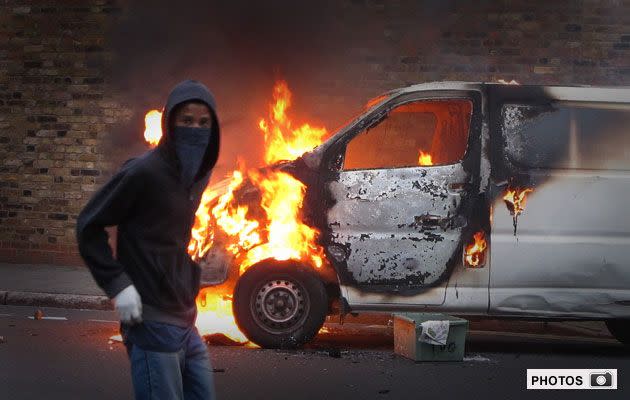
[{"x": 55, "y": 300}]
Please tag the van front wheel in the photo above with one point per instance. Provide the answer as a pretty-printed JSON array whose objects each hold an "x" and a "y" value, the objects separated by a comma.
[
  {"x": 280, "y": 304},
  {"x": 620, "y": 328}
]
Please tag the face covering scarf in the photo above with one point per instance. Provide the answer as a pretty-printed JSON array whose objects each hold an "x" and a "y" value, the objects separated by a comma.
[{"x": 190, "y": 146}]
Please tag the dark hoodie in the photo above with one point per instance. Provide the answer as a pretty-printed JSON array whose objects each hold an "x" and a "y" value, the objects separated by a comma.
[{"x": 154, "y": 213}]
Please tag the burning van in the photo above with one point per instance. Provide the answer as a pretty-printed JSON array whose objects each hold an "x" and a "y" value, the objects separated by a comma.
[{"x": 474, "y": 199}]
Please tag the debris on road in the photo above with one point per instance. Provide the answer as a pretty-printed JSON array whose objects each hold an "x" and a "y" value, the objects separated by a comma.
[
  {"x": 476, "y": 357},
  {"x": 49, "y": 318},
  {"x": 39, "y": 315},
  {"x": 219, "y": 339},
  {"x": 115, "y": 338}
]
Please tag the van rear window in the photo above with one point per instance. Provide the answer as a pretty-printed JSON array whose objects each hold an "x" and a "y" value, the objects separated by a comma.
[{"x": 567, "y": 137}]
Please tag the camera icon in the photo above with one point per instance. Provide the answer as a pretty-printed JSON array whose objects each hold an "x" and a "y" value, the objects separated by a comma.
[{"x": 601, "y": 379}]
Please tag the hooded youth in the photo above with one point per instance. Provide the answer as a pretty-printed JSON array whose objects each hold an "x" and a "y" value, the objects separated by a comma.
[{"x": 152, "y": 200}]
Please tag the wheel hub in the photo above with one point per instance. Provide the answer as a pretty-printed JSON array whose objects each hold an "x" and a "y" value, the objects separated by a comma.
[{"x": 279, "y": 305}]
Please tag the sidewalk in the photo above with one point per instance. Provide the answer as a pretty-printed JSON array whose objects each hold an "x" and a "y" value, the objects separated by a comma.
[
  {"x": 50, "y": 286},
  {"x": 73, "y": 287}
]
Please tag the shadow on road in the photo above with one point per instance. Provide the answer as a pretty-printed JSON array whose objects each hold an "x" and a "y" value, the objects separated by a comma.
[{"x": 381, "y": 337}]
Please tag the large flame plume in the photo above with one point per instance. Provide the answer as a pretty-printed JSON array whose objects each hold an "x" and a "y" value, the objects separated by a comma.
[
  {"x": 288, "y": 238},
  {"x": 282, "y": 141},
  {"x": 278, "y": 232},
  {"x": 281, "y": 234}
]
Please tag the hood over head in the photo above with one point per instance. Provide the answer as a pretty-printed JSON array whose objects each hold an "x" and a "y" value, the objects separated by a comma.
[{"x": 191, "y": 90}]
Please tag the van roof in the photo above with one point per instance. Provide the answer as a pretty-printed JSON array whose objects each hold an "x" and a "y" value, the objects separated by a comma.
[{"x": 608, "y": 94}]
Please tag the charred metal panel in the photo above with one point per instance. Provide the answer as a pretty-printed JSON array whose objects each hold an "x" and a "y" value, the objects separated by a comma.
[
  {"x": 570, "y": 255},
  {"x": 484, "y": 164},
  {"x": 572, "y": 248},
  {"x": 399, "y": 231},
  {"x": 398, "y": 225},
  {"x": 215, "y": 265},
  {"x": 369, "y": 300}
]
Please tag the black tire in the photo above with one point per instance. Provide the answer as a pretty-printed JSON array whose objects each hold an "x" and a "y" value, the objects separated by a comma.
[
  {"x": 280, "y": 304},
  {"x": 620, "y": 328}
]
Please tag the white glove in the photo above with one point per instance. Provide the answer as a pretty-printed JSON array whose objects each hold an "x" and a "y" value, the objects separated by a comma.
[{"x": 129, "y": 305}]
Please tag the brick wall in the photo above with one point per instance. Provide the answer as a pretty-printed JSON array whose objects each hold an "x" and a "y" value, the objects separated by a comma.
[
  {"x": 72, "y": 73},
  {"x": 55, "y": 111},
  {"x": 394, "y": 44}
]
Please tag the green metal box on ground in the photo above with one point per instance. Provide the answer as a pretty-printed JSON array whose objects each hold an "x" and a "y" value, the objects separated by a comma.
[{"x": 408, "y": 329}]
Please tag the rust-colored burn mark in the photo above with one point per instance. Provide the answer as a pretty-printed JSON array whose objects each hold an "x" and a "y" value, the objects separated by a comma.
[{"x": 515, "y": 201}]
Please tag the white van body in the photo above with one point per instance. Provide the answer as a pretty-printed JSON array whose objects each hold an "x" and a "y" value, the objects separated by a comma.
[
  {"x": 399, "y": 194},
  {"x": 570, "y": 257}
]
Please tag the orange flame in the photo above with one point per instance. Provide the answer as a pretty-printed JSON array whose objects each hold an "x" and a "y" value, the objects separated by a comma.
[
  {"x": 287, "y": 237},
  {"x": 215, "y": 316},
  {"x": 282, "y": 141},
  {"x": 424, "y": 158},
  {"x": 153, "y": 127},
  {"x": 279, "y": 234},
  {"x": 200, "y": 243},
  {"x": 515, "y": 200},
  {"x": 232, "y": 219},
  {"x": 475, "y": 253}
]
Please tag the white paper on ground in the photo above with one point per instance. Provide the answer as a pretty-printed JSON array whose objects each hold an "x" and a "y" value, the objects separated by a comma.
[{"x": 434, "y": 332}]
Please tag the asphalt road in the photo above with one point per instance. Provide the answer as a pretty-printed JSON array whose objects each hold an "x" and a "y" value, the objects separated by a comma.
[{"x": 73, "y": 358}]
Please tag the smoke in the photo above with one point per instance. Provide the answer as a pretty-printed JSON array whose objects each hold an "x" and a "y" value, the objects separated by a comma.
[
  {"x": 324, "y": 49},
  {"x": 237, "y": 49}
]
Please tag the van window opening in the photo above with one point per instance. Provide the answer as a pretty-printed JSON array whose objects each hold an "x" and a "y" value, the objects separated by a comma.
[
  {"x": 566, "y": 137},
  {"x": 421, "y": 133}
]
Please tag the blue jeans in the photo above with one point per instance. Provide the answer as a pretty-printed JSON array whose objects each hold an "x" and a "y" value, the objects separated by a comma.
[{"x": 185, "y": 374}]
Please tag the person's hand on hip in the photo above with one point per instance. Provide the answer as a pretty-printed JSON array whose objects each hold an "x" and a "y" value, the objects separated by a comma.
[{"x": 129, "y": 305}]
